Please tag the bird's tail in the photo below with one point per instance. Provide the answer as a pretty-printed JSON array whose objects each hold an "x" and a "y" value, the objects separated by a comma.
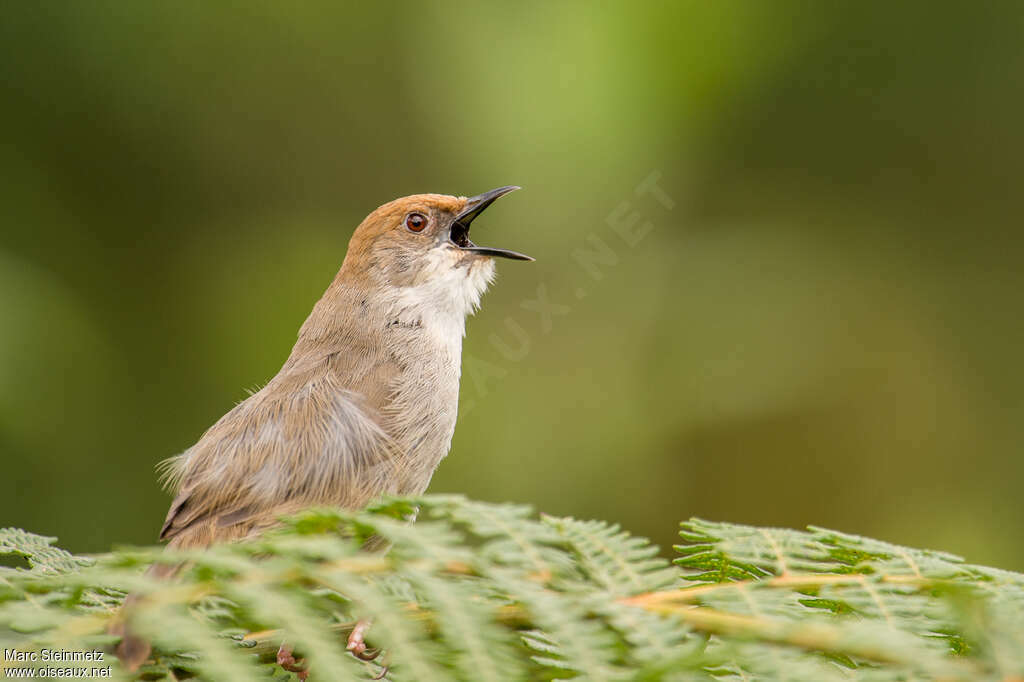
[{"x": 134, "y": 650}]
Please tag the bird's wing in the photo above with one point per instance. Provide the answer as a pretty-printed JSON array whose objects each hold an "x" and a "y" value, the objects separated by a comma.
[{"x": 301, "y": 441}]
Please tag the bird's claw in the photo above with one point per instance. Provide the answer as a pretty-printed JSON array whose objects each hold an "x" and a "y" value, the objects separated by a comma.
[
  {"x": 286, "y": 660},
  {"x": 357, "y": 644}
]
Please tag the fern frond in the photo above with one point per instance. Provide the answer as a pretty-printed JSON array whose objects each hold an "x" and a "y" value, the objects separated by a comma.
[
  {"x": 573, "y": 640},
  {"x": 510, "y": 535},
  {"x": 39, "y": 551},
  {"x": 483, "y": 650},
  {"x": 477, "y": 591},
  {"x": 609, "y": 556}
]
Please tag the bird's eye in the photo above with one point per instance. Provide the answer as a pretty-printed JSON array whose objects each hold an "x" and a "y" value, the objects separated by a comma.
[{"x": 415, "y": 222}]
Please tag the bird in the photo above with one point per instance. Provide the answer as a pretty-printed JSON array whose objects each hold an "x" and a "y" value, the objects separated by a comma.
[{"x": 365, "y": 404}]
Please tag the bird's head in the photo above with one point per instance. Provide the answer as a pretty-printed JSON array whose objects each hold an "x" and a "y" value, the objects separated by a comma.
[{"x": 420, "y": 244}]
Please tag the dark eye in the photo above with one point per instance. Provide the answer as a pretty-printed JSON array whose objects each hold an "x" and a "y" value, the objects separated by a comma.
[{"x": 416, "y": 222}]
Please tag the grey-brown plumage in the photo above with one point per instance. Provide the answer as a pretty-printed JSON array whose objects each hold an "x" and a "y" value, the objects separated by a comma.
[{"x": 366, "y": 403}]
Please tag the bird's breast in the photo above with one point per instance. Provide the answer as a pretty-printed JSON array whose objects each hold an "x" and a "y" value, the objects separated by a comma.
[{"x": 421, "y": 413}]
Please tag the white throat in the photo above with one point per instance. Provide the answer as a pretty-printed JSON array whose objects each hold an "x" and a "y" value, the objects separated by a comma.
[{"x": 446, "y": 291}]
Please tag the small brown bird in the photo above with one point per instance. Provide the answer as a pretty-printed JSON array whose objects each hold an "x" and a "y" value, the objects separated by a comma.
[{"x": 366, "y": 403}]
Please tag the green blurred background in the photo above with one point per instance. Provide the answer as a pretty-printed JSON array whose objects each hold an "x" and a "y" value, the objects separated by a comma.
[{"x": 825, "y": 328}]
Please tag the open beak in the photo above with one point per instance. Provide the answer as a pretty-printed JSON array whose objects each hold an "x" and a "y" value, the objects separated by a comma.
[{"x": 474, "y": 207}]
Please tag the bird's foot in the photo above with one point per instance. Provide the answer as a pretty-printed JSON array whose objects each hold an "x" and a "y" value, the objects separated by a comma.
[
  {"x": 286, "y": 660},
  {"x": 357, "y": 644}
]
